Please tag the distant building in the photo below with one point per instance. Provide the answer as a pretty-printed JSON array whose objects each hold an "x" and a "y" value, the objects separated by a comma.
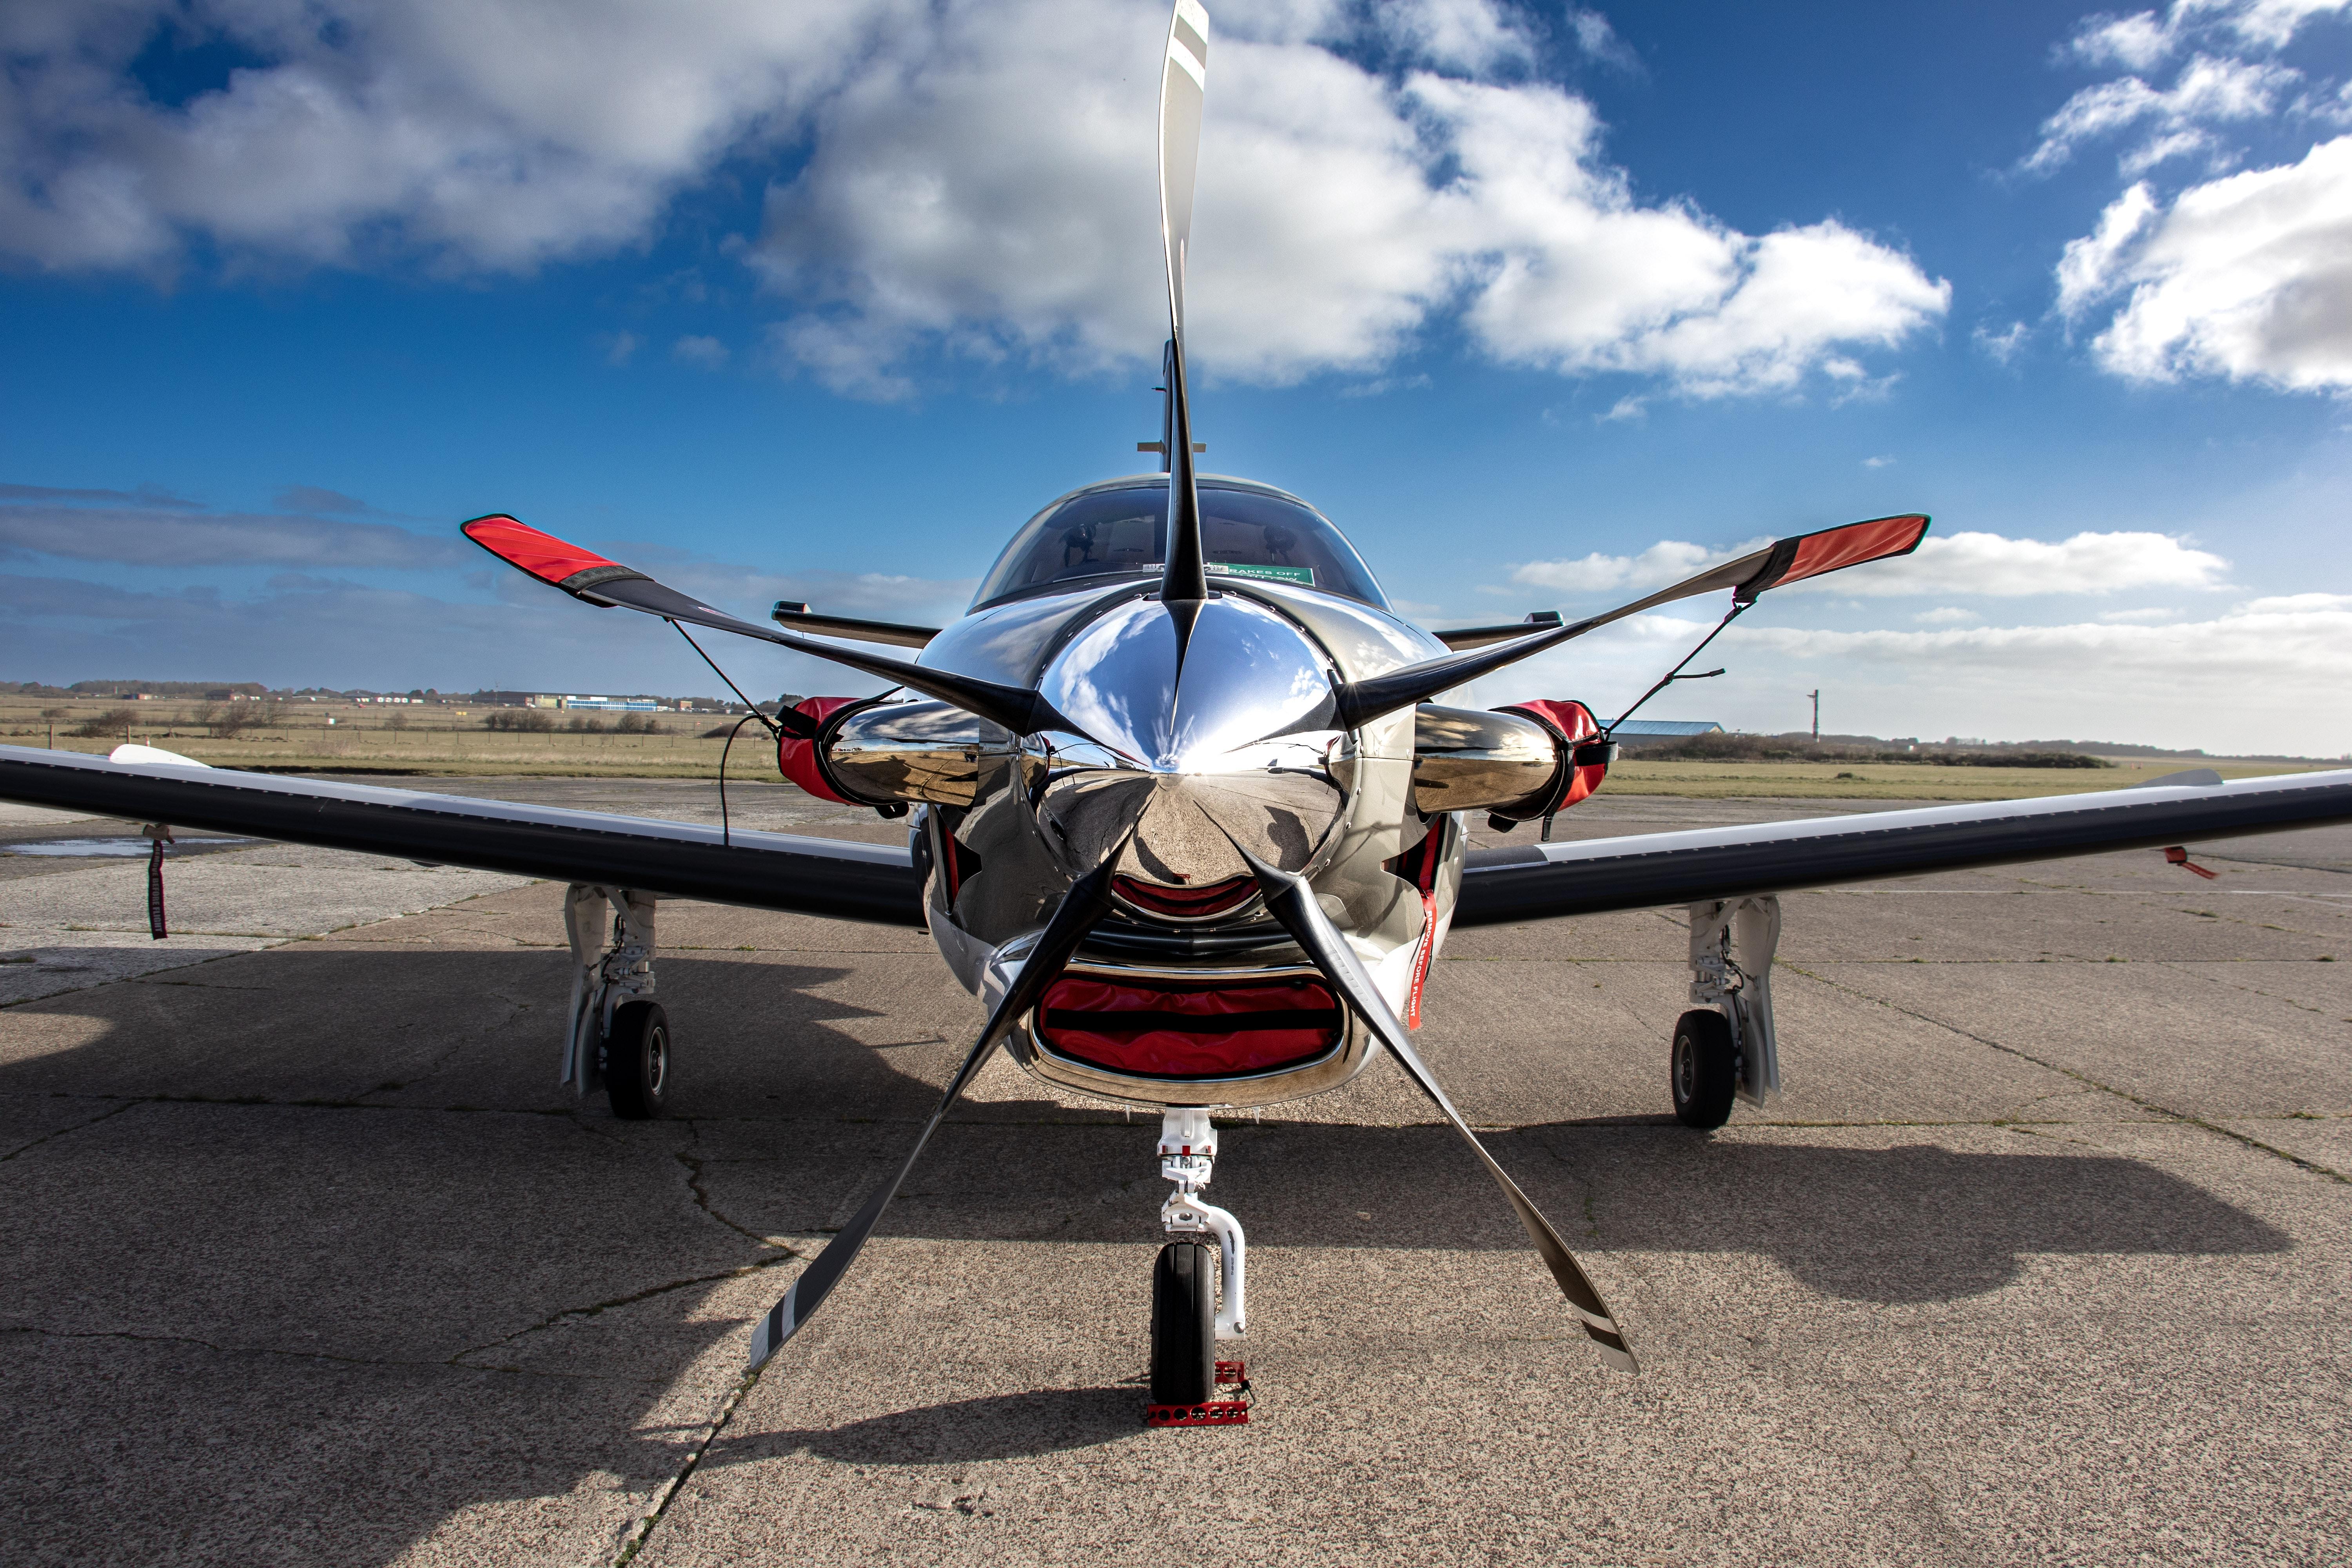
[
  {"x": 611, "y": 704},
  {"x": 1664, "y": 729}
]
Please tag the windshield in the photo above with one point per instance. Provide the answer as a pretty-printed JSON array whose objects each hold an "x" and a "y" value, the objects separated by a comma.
[{"x": 1244, "y": 533}]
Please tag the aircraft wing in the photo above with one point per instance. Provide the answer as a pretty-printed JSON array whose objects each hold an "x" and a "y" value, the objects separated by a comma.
[
  {"x": 1537, "y": 881},
  {"x": 839, "y": 878}
]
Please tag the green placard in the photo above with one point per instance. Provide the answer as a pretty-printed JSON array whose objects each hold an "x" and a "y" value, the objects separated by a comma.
[{"x": 1302, "y": 575}]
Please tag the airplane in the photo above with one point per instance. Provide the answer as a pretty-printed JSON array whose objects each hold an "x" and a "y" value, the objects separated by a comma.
[{"x": 1185, "y": 814}]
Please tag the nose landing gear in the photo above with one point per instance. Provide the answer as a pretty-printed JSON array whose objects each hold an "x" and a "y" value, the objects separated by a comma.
[{"x": 1187, "y": 1318}]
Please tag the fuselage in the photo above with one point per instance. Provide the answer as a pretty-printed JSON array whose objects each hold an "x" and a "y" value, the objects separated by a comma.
[{"x": 1192, "y": 733}]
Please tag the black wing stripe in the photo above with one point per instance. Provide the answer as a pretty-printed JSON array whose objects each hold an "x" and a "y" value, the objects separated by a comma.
[
  {"x": 838, "y": 877},
  {"x": 1598, "y": 874}
]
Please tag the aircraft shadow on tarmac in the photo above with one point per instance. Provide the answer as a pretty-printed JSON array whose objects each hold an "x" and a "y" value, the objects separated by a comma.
[
  {"x": 402, "y": 1238},
  {"x": 959, "y": 1432}
]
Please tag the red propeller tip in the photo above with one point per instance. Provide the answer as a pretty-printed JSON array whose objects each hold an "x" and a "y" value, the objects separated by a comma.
[{"x": 520, "y": 545}]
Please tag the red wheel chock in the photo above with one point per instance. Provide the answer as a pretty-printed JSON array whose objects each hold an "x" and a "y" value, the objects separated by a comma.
[{"x": 1233, "y": 1412}]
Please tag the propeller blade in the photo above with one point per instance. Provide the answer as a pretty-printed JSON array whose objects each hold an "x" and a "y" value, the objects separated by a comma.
[
  {"x": 1086, "y": 904},
  {"x": 593, "y": 579},
  {"x": 1183, "y": 84},
  {"x": 1359, "y": 702},
  {"x": 1292, "y": 901}
]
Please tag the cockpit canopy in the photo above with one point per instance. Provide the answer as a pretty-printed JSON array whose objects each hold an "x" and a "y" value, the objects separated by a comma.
[{"x": 1122, "y": 528}]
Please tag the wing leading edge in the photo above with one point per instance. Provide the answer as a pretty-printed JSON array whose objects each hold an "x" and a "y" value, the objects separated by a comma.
[
  {"x": 838, "y": 877},
  {"x": 1594, "y": 876}
]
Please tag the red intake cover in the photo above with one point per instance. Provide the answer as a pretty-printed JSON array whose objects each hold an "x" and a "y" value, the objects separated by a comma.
[
  {"x": 797, "y": 758},
  {"x": 1170, "y": 1030},
  {"x": 1572, "y": 722}
]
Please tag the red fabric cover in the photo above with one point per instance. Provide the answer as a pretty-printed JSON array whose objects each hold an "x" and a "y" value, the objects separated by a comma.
[
  {"x": 1173, "y": 1032},
  {"x": 542, "y": 555},
  {"x": 1215, "y": 899},
  {"x": 1853, "y": 545},
  {"x": 1572, "y": 722},
  {"x": 797, "y": 758}
]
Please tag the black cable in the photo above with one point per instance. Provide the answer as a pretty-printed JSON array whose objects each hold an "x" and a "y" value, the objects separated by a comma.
[
  {"x": 738, "y": 690},
  {"x": 1676, "y": 673},
  {"x": 725, "y": 841}
]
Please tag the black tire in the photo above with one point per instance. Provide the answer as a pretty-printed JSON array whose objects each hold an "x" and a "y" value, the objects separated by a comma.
[
  {"x": 636, "y": 1060},
  {"x": 1704, "y": 1068},
  {"x": 1183, "y": 1325}
]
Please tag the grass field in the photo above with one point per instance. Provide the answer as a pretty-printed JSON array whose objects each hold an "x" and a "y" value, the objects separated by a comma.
[{"x": 426, "y": 740}]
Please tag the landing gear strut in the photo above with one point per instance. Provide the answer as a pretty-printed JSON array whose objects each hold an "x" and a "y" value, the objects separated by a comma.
[
  {"x": 619, "y": 1040},
  {"x": 1187, "y": 1318},
  {"x": 1725, "y": 1048}
]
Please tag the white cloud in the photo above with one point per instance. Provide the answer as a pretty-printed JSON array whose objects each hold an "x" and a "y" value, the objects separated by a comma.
[
  {"x": 1338, "y": 214},
  {"x": 619, "y": 347},
  {"x": 1949, "y": 616},
  {"x": 2087, "y": 268},
  {"x": 1998, "y": 566},
  {"x": 708, "y": 352},
  {"x": 977, "y": 177},
  {"x": 2297, "y": 604},
  {"x": 1945, "y": 564},
  {"x": 2263, "y": 677},
  {"x": 1668, "y": 561},
  {"x": 1597, "y": 38},
  {"x": 2248, "y": 277},
  {"x": 1469, "y": 35},
  {"x": 2135, "y": 42},
  {"x": 1878, "y": 462},
  {"x": 2145, "y": 39},
  {"x": 2209, "y": 92},
  {"x": 2002, "y": 347},
  {"x": 483, "y": 133},
  {"x": 2149, "y": 617}
]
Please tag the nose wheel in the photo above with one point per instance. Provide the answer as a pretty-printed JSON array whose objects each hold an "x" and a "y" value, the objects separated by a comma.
[
  {"x": 1188, "y": 1312},
  {"x": 1183, "y": 1324}
]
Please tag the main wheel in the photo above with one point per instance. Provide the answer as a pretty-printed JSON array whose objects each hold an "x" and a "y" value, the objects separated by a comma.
[
  {"x": 1183, "y": 1325},
  {"x": 1706, "y": 1068},
  {"x": 636, "y": 1060}
]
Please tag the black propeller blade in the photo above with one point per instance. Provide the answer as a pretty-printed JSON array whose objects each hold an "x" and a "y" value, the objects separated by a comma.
[
  {"x": 1183, "y": 83},
  {"x": 589, "y": 577},
  {"x": 1292, "y": 901},
  {"x": 1086, "y": 904},
  {"x": 1359, "y": 702}
]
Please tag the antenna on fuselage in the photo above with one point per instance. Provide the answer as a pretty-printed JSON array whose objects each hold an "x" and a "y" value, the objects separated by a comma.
[{"x": 1183, "y": 82}]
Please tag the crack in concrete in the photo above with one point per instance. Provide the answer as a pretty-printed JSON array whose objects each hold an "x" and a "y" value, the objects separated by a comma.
[
  {"x": 61, "y": 1132},
  {"x": 2141, "y": 1101},
  {"x": 677, "y": 1484},
  {"x": 595, "y": 1309}
]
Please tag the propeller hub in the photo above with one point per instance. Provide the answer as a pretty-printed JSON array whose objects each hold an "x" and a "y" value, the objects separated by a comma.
[{"x": 1184, "y": 711}]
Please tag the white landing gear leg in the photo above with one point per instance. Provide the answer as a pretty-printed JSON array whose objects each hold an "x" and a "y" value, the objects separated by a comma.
[
  {"x": 1727, "y": 1047},
  {"x": 1187, "y": 1317},
  {"x": 619, "y": 1036}
]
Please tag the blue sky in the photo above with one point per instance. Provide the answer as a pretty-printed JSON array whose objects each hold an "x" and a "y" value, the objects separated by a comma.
[{"x": 1543, "y": 305}]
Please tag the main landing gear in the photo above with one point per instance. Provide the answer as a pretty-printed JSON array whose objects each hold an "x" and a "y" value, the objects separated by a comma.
[
  {"x": 1188, "y": 1312},
  {"x": 1724, "y": 1047},
  {"x": 619, "y": 1040}
]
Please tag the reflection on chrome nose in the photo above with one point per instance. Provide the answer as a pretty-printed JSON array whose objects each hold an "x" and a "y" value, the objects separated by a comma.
[
  {"x": 1179, "y": 750},
  {"x": 1186, "y": 824}
]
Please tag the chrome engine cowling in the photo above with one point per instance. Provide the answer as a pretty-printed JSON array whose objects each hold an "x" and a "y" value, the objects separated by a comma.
[
  {"x": 1466, "y": 760},
  {"x": 926, "y": 752}
]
